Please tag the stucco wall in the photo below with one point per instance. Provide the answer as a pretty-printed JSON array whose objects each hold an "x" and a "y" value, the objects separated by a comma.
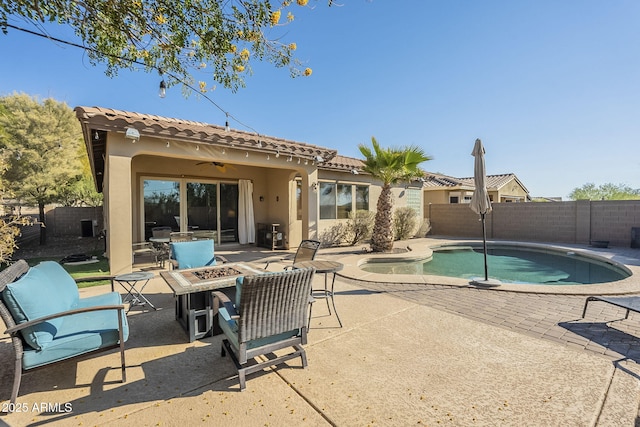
[
  {"x": 564, "y": 222},
  {"x": 66, "y": 221}
]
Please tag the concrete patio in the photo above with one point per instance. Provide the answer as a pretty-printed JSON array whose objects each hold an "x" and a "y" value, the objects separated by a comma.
[{"x": 408, "y": 354}]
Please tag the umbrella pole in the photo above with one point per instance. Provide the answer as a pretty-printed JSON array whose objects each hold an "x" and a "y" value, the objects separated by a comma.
[{"x": 484, "y": 245}]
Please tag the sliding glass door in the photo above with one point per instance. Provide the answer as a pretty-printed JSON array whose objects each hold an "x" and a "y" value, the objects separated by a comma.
[{"x": 206, "y": 208}]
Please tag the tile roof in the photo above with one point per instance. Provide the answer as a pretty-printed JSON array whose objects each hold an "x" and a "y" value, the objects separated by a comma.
[
  {"x": 343, "y": 163},
  {"x": 107, "y": 119},
  {"x": 434, "y": 181}
]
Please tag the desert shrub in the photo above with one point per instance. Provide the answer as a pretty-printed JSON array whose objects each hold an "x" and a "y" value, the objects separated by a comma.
[
  {"x": 333, "y": 236},
  {"x": 424, "y": 228},
  {"x": 405, "y": 222},
  {"x": 359, "y": 226}
]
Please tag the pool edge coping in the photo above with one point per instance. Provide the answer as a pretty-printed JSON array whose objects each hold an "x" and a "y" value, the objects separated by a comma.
[{"x": 422, "y": 250}]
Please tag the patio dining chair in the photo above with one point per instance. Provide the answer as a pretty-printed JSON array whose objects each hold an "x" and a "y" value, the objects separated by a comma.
[
  {"x": 270, "y": 314},
  {"x": 193, "y": 254},
  {"x": 178, "y": 236},
  {"x": 306, "y": 252}
]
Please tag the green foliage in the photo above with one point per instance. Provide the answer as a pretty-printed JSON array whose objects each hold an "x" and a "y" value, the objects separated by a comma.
[
  {"x": 9, "y": 231},
  {"x": 391, "y": 166},
  {"x": 44, "y": 158},
  {"x": 405, "y": 223},
  {"x": 216, "y": 39},
  {"x": 607, "y": 191}
]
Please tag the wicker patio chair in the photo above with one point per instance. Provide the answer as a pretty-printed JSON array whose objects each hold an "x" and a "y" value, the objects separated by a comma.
[
  {"x": 84, "y": 328},
  {"x": 306, "y": 252},
  {"x": 270, "y": 314}
]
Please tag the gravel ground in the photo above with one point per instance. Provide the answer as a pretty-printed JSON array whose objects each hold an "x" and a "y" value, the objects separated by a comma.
[{"x": 59, "y": 247}]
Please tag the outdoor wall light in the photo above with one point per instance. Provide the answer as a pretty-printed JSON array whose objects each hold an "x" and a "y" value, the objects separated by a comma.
[
  {"x": 162, "y": 91},
  {"x": 132, "y": 134}
]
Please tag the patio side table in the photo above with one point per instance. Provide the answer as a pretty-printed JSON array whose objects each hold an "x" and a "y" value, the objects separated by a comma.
[
  {"x": 134, "y": 294},
  {"x": 327, "y": 293}
]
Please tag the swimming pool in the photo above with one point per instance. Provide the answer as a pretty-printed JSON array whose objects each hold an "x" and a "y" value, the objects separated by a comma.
[{"x": 509, "y": 264}]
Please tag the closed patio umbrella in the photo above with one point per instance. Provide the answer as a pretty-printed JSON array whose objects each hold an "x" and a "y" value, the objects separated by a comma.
[{"x": 480, "y": 202}]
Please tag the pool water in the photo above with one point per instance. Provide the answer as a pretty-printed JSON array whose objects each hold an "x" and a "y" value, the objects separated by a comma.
[{"x": 509, "y": 265}]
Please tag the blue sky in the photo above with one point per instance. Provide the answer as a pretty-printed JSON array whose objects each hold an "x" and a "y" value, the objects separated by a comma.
[{"x": 551, "y": 87}]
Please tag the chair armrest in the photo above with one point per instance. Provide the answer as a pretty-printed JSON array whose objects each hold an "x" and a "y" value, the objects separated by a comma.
[
  {"x": 226, "y": 303},
  {"x": 174, "y": 264},
  {"x": 33, "y": 322},
  {"x": 221, "y": 259}
]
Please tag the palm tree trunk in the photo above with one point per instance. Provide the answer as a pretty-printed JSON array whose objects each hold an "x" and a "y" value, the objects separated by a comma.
[{"x": 382, "y": 239}]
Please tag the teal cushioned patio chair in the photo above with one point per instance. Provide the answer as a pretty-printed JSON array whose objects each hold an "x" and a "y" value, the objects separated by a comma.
[
  {"x": 270, "y": 314},
  {"x": 48, "y": 322},
  {"x": 193, "y": 254}
]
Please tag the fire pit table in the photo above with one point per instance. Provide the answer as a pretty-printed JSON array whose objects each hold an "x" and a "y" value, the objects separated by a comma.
[{"x": 192, "y": 292}]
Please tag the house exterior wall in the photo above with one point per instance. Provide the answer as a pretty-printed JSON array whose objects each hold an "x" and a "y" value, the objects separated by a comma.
[
  {"x": 400, "y": 194},
  {"x": 510, "y": 191},
  {"x": 564, "y": 222},
  {"x": 128, "y": 164}
]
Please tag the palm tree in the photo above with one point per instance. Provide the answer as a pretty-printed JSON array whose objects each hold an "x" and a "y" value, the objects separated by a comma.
[{"x": 389, "y": 165}]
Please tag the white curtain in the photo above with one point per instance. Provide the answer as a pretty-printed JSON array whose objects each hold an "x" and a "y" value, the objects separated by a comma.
[{"x": 246, "y": 223}]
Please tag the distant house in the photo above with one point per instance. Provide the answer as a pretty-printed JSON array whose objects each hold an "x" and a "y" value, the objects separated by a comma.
[{"x": 504, "y": 188}]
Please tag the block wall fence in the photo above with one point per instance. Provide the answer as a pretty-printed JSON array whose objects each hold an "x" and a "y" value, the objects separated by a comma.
[
  {"x": 577, "y": 222},
  {"x": 67, "y": 221}
]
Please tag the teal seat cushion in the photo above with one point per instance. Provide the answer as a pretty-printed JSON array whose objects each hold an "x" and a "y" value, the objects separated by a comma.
[
  {"x": 198, "y": 253},
  {"x": 44, "y": 290},
  {"x": 82, "y": 333},
  {"x": 230, "y": 328}
]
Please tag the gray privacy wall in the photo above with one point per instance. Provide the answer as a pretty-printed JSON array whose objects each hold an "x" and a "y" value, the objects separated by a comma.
[
  {"x": 67, "y": 221},
  {"x": 579, "y": 221}
]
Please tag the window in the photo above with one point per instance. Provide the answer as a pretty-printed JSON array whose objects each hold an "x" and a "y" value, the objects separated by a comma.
[
  {"x": 454, "y": 199},
  {"x": 161, "y": 205},
  {"x": 344, "y": 201},
  {"x": 362, "y": 198},
  {"x": 327, "y": 200},
  {"x": 414, "y": 200},
  {"x": 337, "y": 200},
  {"x": 208, "y": 206}
]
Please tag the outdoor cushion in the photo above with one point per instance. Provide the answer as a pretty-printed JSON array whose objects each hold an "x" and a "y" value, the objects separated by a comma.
[
  {"x": 45, "y": 289},
  {"x": 81, "y": 333},
  {"x": 230, "y": 328},
  {"x": 197, "y": 253}
]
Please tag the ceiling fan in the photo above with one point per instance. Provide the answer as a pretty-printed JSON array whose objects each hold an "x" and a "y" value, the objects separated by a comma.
[{"x": 220, "y": 166}]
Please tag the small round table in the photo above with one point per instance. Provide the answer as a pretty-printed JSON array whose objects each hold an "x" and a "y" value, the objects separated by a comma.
[
  {"x": 134, "y": 295},
  {"x": 325, "y": 267}
]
